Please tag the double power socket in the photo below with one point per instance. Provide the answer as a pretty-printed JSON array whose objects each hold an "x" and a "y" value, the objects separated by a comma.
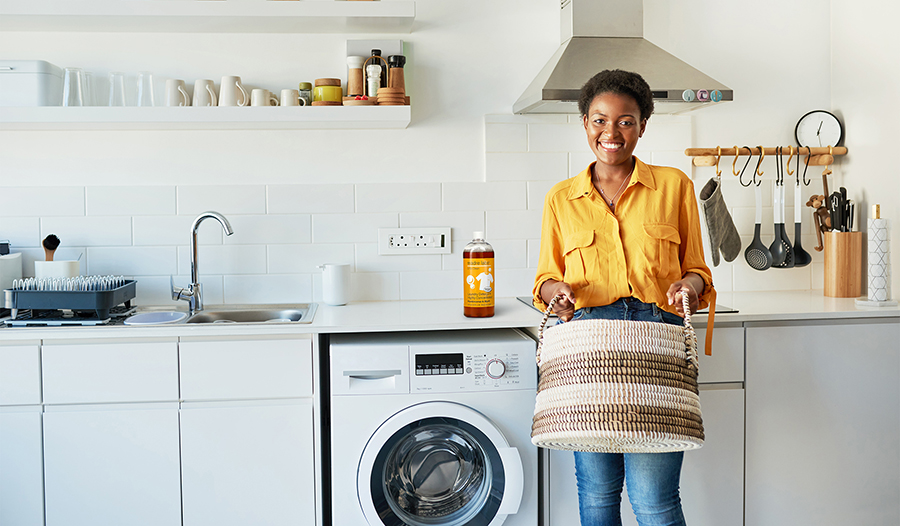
[{"x": 407, "y": 241}]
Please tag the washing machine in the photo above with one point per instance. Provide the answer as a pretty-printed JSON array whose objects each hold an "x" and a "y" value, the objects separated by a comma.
[{"x": 433, "y": 429}]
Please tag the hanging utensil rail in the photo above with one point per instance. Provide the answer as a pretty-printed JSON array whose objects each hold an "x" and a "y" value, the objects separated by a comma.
[{"x": 820, "y": 155}]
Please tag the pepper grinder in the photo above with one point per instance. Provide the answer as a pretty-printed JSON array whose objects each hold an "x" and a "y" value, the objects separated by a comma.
[
  {"x": 373, "y": 73},
  {"x": 355, "y": 86},
  {"x": 395, "y": 72}
]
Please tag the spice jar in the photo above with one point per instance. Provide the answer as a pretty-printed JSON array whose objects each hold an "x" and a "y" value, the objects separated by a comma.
[
  {"x": 305, "y": 89},
  {"x": 355, "y": 76},
  {"x": 395, "y": 72}
]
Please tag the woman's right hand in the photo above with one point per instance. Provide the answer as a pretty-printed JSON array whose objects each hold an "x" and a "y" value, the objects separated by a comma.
[{"x": 564, "y": 308}]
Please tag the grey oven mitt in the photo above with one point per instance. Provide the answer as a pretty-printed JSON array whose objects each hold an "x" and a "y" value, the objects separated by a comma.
[{"x": 722, "y": 233}]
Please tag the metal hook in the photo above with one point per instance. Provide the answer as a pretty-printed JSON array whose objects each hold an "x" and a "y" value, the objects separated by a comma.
[
  {"x": 805, "y": 167},
  {"x": 762, "y": 155},
  {"x": 737, "y": 153},
  {"x": 718, "y": 156},
  {"x": 741, "y": 176},
  {"x": 788, "y": 165}
]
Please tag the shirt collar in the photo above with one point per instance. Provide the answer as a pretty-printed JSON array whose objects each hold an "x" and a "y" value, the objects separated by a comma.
[{"x": 582, "y": 187}]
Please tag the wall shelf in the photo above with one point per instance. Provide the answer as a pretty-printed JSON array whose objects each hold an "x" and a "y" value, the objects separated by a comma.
[
  {"x": 204, "y": 118},
  {"x": 232, "y": 16}
]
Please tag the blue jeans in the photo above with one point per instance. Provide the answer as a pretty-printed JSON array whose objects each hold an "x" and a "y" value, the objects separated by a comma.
[{"x": 652, "y": 478}]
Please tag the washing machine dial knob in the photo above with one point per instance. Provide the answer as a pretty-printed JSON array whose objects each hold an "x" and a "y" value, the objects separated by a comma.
[{"x": 496, "y": 368}]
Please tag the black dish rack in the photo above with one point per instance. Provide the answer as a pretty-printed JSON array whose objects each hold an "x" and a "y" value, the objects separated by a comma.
[{"x": 84, "y": 304}]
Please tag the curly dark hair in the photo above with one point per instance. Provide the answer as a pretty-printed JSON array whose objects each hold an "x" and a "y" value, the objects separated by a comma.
[{"x": 621, "y": 83}]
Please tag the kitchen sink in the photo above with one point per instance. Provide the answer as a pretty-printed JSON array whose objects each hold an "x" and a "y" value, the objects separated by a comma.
[{"x": 293, "y": 313}]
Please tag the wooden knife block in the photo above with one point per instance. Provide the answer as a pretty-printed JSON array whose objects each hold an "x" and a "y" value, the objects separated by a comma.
[{"x": 843, "y": 264}]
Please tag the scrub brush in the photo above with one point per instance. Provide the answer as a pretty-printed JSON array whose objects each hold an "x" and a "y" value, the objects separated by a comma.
[{"x": 50, "y": 244}]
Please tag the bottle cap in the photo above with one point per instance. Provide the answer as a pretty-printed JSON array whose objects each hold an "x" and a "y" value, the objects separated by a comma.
[
  {"x": 876, "y": 211},
  {"x": 396, "y": 61},
  {"x": 305, "y": 85},
  {"x": 478, "y": 235},
  {"x": 376, "y": 52}
]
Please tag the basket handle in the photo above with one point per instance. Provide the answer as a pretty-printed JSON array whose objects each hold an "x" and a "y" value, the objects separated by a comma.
[{"x": 690, "y": 335}]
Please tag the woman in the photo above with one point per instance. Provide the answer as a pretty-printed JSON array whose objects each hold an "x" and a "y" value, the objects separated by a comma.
[{"x": 621, "y": 240}]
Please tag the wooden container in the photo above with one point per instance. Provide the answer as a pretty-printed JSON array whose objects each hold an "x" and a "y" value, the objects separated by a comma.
[{"x": 843, "y": 264}]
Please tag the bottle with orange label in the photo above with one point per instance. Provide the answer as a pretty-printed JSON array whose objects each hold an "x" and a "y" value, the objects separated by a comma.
[{"x": 478, "y": 278}]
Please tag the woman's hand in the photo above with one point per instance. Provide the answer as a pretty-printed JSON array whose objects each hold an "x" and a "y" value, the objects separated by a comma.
[
  {"x": 565, "y": 306},
  {"x": 690, "y": 284}
]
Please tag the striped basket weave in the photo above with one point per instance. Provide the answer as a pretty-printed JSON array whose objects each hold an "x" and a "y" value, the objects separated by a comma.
[{"x": 616, "y": 386}]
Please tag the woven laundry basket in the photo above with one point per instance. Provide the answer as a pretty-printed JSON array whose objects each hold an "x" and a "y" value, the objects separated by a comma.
[{"x": 616, "y": 386}]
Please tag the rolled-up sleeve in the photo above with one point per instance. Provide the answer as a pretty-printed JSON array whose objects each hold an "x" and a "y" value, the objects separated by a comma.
[{"x": 551, "y": 260}]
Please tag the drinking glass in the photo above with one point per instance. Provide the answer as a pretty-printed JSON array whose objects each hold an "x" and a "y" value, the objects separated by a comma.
[
  {"x": 73, "y": 87},
  {"x": 89, "y": 89},
  {"x": 117, "y": 89},
  {"x": 145, "y": 89}
]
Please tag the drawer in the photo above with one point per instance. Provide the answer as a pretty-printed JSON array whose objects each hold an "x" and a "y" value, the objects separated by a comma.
[
  {"x": 123, "y": 371},
  {"x": 20, "y": 374},
  {"x": 727, "y": 361},
  {"x": 246, "y": 369}
]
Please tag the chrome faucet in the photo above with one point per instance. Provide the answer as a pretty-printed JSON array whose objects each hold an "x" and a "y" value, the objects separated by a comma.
[{"x": 193, "y": 293}]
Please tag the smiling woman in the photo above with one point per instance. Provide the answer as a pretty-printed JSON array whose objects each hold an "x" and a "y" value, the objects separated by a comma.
[{"x": 621, "y": 240}]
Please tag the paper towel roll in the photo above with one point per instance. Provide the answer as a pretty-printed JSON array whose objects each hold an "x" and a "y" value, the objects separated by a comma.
[
  {"x": 10, "y": 269},
  {"x": 879, "y": 260}
]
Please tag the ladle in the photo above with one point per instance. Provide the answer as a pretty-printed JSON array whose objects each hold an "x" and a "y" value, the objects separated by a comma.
[{"x": 757, "y": 255}]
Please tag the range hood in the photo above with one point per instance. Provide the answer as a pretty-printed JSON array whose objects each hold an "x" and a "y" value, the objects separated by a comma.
[{"x": 608, "y": 34}]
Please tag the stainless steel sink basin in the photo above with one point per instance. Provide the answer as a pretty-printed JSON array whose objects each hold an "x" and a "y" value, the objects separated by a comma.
[{"x": 294, "y": 313}]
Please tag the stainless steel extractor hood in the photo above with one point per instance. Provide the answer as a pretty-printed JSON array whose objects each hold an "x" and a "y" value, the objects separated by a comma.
[{"x": 608, "y": 34}]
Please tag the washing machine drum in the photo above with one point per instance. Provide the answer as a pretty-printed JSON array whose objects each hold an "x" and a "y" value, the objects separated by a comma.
[{"x": 439, "y": 464}]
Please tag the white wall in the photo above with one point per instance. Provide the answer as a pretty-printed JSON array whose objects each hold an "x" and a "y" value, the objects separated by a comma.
[
  {"x": 864, "y": 84},
  {"x": 300, "y": 198}
]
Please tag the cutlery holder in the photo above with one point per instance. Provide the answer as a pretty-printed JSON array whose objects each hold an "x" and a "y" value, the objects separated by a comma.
[{"x": 843, "y": 264}]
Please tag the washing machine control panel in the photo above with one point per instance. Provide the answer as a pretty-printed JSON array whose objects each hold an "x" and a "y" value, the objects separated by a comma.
[{"x": 485, "y": 370}]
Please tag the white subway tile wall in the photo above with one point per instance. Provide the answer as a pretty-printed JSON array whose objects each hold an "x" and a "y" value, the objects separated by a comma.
[{"x": 283, "y": 232}]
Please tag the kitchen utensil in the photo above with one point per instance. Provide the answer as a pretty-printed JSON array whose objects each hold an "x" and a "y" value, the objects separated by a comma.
[
  {"x": 782, "y": 255},
  {"x": 204, "y": 93},
  {"x": 176, "y": 95},
  {"x": 262, "y": 97},
  {"x": 801, "y": 257},
  {"x": 843, "y": 264},
  {"x": 145, "y": 89},
  {"x": 73, "y": 87},
  {"x": 232, "y": 92},
  {"x": 355, "y": 85},
  {"x": 757, "y": 255},
  {"x": 836, "y": 208},
  {"x": 50, "y": 244},
  {"x": 845, "y": 210},
  {"x": 117, "y": 89},
  {"x": 93, "y": 293}
]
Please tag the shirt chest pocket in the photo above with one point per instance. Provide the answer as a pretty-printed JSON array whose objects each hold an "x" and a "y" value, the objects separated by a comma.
[
  {"x": 661, "y": 249},
  {"x": 581, "y": 258}
]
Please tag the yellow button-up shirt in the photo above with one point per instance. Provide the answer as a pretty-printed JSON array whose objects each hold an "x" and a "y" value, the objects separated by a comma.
[{"x": 651, "y": 241}]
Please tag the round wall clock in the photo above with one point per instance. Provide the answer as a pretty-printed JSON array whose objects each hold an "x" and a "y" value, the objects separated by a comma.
[{"x": 819, "y": 128}]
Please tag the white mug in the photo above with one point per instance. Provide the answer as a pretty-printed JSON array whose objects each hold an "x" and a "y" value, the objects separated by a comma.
[
  {"x": 335, "y": 283},
  {"x": 262, "y": 97},
  {"x": 204, "y": 93},
  {"x": 176, "y": 95},
  {"x": 291, "y": 97},
  {"x": 232, "y": 93}
]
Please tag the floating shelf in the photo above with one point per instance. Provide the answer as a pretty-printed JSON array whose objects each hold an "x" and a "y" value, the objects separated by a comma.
[
  {"x": 205, "y": 118},
  {"x": 231, "y": 16}
]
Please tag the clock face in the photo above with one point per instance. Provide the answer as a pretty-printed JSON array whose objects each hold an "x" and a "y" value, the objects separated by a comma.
[{"x": 819, "y": 128}]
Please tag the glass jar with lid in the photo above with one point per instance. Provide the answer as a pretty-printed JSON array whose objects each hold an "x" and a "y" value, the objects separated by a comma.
[{"x": 306, "y": 95}]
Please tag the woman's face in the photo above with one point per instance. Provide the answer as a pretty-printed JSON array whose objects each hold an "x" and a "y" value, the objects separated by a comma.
[{"x": 613, "y": 125}]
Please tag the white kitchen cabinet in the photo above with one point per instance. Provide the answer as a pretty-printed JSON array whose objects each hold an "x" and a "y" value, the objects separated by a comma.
[
  {"x": 248, "y": 464},
  {"x": 250, "y": 457},
  {"x": 712, "y": 477},
  {"x": 823, "y": 421},
  {"x": 21, "y": 462},
  {"x": 246, "y": 368},
  {"x": 110, "y": 371},
  {"x": 114, "y": 464},
  {"x": 21, "y": 467}
]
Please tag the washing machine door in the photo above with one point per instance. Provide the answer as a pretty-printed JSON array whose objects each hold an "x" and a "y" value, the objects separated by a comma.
[{"x": 439, "y": 464}]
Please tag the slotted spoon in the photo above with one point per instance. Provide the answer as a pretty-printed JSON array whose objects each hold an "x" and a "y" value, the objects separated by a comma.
[{"x": 757, "y": 255}]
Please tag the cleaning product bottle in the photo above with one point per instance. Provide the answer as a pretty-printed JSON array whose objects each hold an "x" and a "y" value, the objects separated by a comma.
[{"x": 478, "y": 278}]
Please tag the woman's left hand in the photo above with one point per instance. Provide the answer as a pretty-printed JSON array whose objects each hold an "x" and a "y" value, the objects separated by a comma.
[{"x": 686, "y": 285}]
